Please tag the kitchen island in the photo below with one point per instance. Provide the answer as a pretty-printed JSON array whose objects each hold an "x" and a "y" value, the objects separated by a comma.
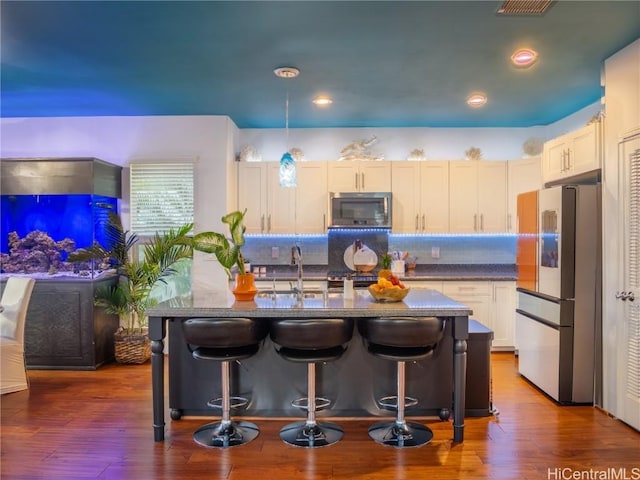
[{"x": 355, "y": 381}]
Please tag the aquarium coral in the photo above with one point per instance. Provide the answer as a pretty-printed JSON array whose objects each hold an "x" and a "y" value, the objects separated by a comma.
[{"x": 37, "y": 252}]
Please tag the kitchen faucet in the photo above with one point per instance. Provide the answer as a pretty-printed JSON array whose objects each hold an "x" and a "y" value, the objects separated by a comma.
[{"x": 296, "y": 259}]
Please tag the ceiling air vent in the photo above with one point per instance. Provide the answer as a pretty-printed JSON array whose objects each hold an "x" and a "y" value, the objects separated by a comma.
[{"x": 524, "y": 7}]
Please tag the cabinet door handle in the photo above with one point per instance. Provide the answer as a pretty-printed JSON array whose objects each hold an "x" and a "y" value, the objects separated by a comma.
[
  {"x": 424, "y": 222},
  {"x": 357, "y": 181},
  {"x": 417, "y": 227},
  {"x": 362, "y": 180},
  {"x": 269, "y": 223},
  {"x": 261, "y": 223},
  {"x": 482, "y": 222},
  {"x": 509, "y": 222},
  {"x": 475, "y": 222},
  {"x": 324, "y": 222},
  {"x": 568, "y": 159}
]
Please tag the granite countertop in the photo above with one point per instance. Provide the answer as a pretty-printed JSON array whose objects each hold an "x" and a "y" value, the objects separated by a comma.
[
  {"x": 449, "y": 272},
  {"x": 221, "y": 303}
]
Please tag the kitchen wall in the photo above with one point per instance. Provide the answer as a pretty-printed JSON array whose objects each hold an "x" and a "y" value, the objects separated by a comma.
[
  {"x": 451, "y": 249},
  {"x": 207, "y": 141},
  {"x": 397, "y": 143},
  {"x": 212, "y": 142}
]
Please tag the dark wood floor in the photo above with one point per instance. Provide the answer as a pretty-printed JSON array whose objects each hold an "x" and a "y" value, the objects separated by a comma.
[{"x": 78, "y": 425}]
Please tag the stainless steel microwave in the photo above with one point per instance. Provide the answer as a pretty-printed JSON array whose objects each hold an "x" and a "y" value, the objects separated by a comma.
[{"x": 360, "y": 210}]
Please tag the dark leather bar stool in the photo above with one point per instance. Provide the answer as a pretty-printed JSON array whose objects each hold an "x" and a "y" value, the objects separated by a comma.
[
  {"x": 311, "y": 341},
  {"x": 401, "y": 339},
  {"x": 225, "y": 340}
]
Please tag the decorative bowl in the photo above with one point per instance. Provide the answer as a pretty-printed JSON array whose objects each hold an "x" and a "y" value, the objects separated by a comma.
[{"x": 388, "y": 294}]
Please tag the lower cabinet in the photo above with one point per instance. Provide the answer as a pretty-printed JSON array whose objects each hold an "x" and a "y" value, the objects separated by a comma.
[
  {"x": 503, "y": 312},
  {"x": 476, "y": 295},
  {"x": 64, "y": 330},
  {"x": 493, "y": 305}
]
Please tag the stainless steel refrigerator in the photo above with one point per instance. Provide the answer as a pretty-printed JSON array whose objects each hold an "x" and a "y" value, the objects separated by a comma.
[{"x": 557, "y": 322}]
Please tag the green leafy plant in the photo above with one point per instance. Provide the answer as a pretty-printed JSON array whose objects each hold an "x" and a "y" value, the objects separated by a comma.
[
  {"x": 131, "y": 296},
  {"x": 228, "y": 250},
  {"x": 385, "y": 261}
]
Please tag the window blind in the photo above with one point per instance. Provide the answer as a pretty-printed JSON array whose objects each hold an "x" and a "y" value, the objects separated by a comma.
[{"x": 161, "y": 196}]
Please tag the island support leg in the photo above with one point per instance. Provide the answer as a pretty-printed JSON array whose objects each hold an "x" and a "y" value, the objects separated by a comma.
[
  {"x": 157, "y": 331},
  {"x": 460, "y": 335}
]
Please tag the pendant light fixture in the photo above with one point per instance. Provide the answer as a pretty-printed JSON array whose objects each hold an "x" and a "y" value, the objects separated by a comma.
[{"x": 287, "y": 171}]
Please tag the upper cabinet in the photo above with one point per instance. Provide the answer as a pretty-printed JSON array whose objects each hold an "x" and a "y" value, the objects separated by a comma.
[
  {"x": 573, "y": 153},
  {"x": 428, "y": 196},
  {"x": 270, "y": 207},
  {"x": 477, "y": 196},
  {"x": 274, "y": 209},
  {"x": 312, "y": 199},
  {"x": 359, "y": 176},
  {"x": 523, "y": 175},
  {"x": 420, "y": 197}
]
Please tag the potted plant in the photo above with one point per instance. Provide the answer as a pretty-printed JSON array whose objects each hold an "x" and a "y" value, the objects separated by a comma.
[
  {"x": 228, "y": 251},
  {"x": 131, "y": 296}
]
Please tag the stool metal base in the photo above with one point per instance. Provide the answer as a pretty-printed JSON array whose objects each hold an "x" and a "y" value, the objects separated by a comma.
[
  {"x": 401, "y": 435},
  {"x": 303, "y": 434},
  {"x": 221, "y": 435}
]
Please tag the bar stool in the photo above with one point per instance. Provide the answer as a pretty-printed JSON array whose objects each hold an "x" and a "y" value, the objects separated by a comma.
[
  {"x": 311, "y": 341},
  {"x": 401, "y": 339},
  {"x": 225, "y": 340}
]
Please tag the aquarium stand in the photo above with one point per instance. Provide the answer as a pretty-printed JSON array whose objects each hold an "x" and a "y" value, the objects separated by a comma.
[{"x": 64, "y": 330}]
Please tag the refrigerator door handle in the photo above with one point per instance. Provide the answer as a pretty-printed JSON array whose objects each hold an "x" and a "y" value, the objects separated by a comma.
[{"x": 538, "y": 319}]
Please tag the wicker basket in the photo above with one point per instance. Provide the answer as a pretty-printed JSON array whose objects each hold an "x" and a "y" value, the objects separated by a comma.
[{"x": 132, "y": 348}]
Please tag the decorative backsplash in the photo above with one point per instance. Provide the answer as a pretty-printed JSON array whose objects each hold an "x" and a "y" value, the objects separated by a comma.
[{"x": 452, "y": 249}]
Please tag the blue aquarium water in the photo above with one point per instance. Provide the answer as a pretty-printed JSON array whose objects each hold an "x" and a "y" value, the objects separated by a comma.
[{"x": 60, "y": 222}]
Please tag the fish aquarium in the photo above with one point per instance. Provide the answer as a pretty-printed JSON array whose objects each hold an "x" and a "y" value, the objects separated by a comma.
[
  {"x": 40, "y": 231},
  {"x": 50, "y": 208}
]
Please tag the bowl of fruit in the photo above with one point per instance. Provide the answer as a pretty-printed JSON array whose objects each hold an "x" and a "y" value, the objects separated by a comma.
[{"x": 388, "y": 289}]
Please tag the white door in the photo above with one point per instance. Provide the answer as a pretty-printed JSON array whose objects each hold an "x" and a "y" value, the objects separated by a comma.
[
  {"x": 252, "y": 195},
  {"x": 311, "y": 197},
  {"x": 554, "y": 158},
  {"x": 434, "y": 197},
  {"x": 492, "y": 197},
  {"x": 280, "y": 203},
  {"x": 628, "y": 325},
  {"x": 343, "y": 177},
  {"x": 585, "y": 152},
  {"x": 463, "y": 197},
  {"x": 405, "y": 187},
  {"x": 375, "y": 176}
]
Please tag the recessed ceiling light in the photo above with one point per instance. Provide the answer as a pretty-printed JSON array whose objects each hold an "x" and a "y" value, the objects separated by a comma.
[
  {"x": 322, "y": 101},
  {"x": 286, "y": 72},
  {"x": 524, "y": 57},
  {"x": 476, "y": 100}
]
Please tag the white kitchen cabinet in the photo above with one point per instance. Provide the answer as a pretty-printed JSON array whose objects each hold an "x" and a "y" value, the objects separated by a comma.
[
  {"x": 422, "y": 284},
  {"x": 503, "y": 311},
  {"x": 524, "y": 175},
  {"x": 270, "y": 207},
  {"x": 359, "y": 176},
  {"x": 474, "y": 294},
  {"x": 477, "y": 196},
  {"x": 493, "y": 305},
  {"x": 573, "y": 153},
  {"x": 420, "y": 197},
  {"x": 311, "y": 198}
]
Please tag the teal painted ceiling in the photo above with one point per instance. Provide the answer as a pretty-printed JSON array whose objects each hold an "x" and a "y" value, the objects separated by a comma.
[{"x": 384, "y": 63}]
